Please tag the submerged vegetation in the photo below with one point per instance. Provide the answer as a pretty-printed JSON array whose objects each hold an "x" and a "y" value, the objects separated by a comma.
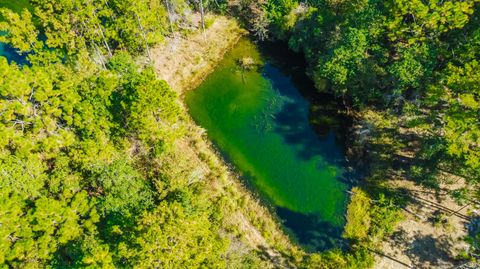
[{"x": 96, "y": 162}]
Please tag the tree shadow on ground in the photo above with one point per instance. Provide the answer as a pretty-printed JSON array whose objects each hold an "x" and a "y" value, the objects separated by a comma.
[{"x": 425, "y": 250}]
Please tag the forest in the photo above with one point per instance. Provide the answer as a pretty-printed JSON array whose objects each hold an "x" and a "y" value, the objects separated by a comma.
[{"x": 92, "y": 172}]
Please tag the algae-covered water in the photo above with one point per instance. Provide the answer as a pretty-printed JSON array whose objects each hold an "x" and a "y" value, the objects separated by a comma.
[{"x": 285, "y": 139}]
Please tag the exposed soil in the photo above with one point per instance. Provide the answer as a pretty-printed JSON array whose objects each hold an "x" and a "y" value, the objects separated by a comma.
[
  {"x": 431, "y": 236},
  {"x": 184, "y": 61}
]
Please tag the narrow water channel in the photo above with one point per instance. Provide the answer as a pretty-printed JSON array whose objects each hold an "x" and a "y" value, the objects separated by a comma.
[{"x": 284, "y": 138}]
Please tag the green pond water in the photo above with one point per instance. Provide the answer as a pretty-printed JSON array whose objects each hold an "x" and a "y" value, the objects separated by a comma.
[{"x": 283, "y": 137}]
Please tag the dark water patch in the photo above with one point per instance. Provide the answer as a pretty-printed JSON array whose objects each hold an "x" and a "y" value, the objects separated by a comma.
[{"x": 311, "y": 231}]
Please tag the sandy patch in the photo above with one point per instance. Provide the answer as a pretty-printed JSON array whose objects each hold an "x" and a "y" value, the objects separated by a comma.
[
  {"x": 432, "y": 234},
  {"x": 183, "y": 62}
]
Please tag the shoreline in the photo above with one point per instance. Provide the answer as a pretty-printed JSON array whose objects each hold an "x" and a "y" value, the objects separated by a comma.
[{"x": 252, "y": 218}]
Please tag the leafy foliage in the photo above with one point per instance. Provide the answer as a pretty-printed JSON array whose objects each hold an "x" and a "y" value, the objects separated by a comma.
[
  {"x": 358, "y": 216},
  {"x": 89, "y": 176},
  {"x": 85, "y": 132}
]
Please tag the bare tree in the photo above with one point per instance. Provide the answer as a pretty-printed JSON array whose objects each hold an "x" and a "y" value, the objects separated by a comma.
[
  {"x": 202, "y": 14},
  {"x": 144, "y": 37}
]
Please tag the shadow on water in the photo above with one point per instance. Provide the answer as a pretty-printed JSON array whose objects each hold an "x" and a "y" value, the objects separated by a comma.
[
  {"x": 311, "y": 231},
  {"x": 326, "y": 115},
  {"x": 320, "y": 131},
  {"x": 309, "y": 143}
]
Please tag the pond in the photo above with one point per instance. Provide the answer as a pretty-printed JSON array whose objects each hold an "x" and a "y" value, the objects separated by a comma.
[{"x": 282, "y": 136}]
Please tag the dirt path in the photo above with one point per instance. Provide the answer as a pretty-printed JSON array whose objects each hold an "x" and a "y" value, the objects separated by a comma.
[{"x": 431, "y": 236}]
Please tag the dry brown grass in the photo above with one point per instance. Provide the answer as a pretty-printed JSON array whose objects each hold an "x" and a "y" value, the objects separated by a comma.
[{"x": 184, "y": 61}]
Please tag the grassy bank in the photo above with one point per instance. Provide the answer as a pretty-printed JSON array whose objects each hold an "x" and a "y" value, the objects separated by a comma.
[
  {"x": 184, "y": 60},
  {"x": 249, "y": 222}
]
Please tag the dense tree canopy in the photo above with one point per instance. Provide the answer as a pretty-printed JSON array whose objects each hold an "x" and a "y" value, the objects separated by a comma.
[
  {"x": 84, "y": 131},
  {"x": 89, "y": 176}
]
